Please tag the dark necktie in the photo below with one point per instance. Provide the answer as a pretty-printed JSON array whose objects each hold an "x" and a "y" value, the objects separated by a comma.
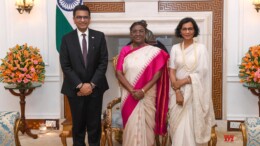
[{"x": 84, "y": 48}]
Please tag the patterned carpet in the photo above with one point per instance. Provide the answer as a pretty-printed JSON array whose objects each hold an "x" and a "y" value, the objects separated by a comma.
[{"x": 51, "y": 138}]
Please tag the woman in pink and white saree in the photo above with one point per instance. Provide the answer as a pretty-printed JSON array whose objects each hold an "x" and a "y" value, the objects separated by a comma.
[
  {"x": 190, "y": 106},
  {"x": 142, "y": 72}
]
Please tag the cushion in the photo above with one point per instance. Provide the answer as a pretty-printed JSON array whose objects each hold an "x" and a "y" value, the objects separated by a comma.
[
  {"x": 253, "y": 131},
  {"x": 117, "y": 119},
  {"x": 7, "y": 123}
]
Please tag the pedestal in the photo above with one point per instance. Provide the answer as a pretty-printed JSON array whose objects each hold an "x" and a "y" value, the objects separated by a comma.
[{"x": 22, "y": 93}]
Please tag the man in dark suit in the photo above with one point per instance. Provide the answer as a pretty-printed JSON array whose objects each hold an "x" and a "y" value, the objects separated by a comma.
[{"x": 84, "y": 59}]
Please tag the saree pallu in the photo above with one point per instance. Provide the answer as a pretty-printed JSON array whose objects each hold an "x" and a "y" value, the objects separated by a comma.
[{"x": 140, "y": 117}]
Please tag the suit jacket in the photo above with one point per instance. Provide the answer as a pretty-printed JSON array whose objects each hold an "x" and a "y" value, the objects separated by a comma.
[{"x": 72, "y": 62}]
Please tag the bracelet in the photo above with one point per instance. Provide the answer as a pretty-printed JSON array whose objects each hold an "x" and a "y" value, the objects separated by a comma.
[
  {"x": 143, "y": 90},
  {"x": 175, "y": 88}
]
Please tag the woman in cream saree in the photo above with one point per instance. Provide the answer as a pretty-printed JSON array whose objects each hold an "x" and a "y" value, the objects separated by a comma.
[
  {"x": 190, "y": 106},
  {"x": 141, "y": 70}
]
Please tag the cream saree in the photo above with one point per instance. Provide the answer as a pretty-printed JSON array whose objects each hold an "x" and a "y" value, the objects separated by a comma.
[
  {"x": 190, "y": 124},
  {"x": 139, "y": 117}
]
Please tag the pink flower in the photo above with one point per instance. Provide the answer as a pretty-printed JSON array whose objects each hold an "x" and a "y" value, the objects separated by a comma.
[
  {"x": 257, "y": 75},
  {"x": 24, "y": 69},
  {"x": 32, "y": 69},
  {"x": 25, "y": 80},
  {"x": 19, "y": 80},
  {"x": 21, "y": 76},
  {"x": 28, "y": 76},
  {"x": 35, "y": 61}
]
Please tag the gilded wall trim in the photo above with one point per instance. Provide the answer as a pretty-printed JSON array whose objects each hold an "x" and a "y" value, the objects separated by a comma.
[
  {"x": 106, "y": 7},
  {"x": 216, "y": 7}
]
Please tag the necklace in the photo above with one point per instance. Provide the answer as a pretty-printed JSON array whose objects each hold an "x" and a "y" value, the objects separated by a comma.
[{"x": 186, "y": 67}]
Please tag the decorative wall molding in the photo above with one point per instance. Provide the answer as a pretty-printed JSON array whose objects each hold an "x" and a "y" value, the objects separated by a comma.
[
  {"x": 216, "y": 7},
  {"x": 239, "y": 117},
  {"x": 240, "y": 31},
  {"x": 43, "y": 116},
  {"x": 24, "y": 24},
  {"x": 120, "y": 25},
  {"x": 8, "y": 27},
  {"x": 233, "y": 78},
  {"x": 52, "y": 78},
  {"x": 46, "y": 42},
  {"x": 106, "y": 7}
]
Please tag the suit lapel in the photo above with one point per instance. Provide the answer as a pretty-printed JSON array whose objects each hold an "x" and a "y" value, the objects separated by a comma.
[{"x": 75, "y": 40}]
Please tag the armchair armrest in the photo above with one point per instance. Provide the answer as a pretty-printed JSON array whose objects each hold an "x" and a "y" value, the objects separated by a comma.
[{"x": 242, "y": 128}]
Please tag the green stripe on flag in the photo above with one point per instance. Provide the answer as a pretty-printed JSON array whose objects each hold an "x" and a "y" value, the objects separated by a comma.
[{"x": 62, "y": 27}]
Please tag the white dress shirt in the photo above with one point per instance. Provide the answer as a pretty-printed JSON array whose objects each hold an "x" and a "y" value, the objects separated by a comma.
[{"x": 81, "y": 37}]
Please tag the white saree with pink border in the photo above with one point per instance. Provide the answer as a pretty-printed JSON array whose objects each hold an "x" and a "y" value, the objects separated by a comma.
[{"x": 139, "y": 117}]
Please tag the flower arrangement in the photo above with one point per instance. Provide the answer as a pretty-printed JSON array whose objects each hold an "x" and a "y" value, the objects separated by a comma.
[
  {"x": 249, "y": 72},
  {"x": 22, "y": 66}
]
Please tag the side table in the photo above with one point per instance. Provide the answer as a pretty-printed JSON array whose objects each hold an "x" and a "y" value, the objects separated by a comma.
[{"x": 22, "y": 93}]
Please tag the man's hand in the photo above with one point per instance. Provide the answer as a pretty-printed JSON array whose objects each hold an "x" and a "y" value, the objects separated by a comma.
[{"x": 85, "y": 90}]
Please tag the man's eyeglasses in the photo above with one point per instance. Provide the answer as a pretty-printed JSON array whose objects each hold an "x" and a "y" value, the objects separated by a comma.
[
  {"x": 82, "y": 17},
  {"x": 187, "y": 29}
]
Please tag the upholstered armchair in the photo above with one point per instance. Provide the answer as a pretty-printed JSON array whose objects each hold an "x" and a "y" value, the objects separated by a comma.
[
  {"x": 9, "y": 127},
  {"x": 251, "y": 131}
]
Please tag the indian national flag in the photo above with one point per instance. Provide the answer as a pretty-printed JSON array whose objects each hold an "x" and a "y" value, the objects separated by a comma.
[{"x": 64, "y": 18}]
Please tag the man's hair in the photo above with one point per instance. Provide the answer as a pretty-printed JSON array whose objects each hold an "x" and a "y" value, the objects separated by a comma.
[{"x": 82, "y": 8}]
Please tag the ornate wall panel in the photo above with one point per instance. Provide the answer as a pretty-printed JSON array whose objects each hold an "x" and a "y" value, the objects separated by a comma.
[
  {"x": 106, "y": 7},
  {"x": 216, "y": 7}
]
